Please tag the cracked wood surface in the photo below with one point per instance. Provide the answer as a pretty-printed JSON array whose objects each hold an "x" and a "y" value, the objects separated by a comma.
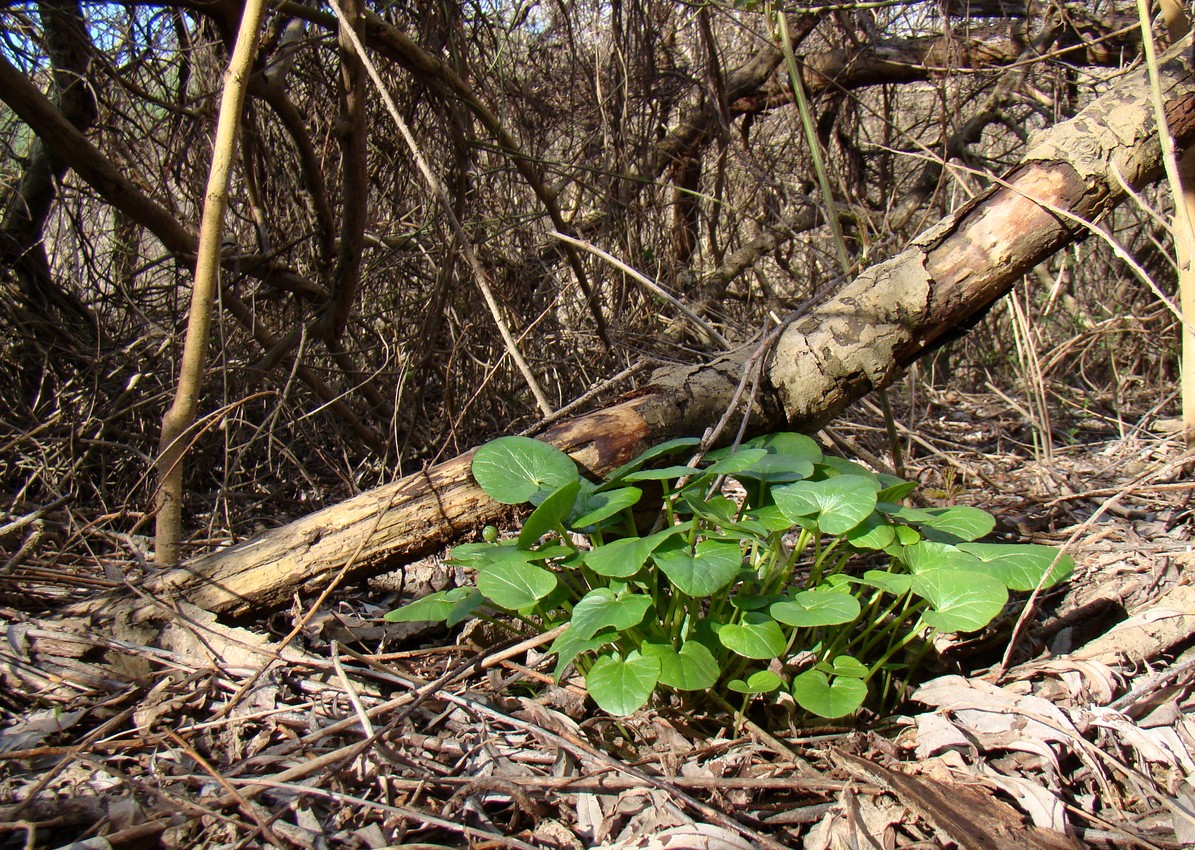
[{"x": 889, "y": 316}]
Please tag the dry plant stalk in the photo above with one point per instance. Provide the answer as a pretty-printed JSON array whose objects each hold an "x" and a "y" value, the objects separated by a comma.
[
  {"x": 1181, "y": 174},
  {"x": 181, "y": 415},
  {"x": 480, "y": 278}
]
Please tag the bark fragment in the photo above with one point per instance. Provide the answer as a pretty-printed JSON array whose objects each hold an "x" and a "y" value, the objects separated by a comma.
[{"x": 862, "y": 339}]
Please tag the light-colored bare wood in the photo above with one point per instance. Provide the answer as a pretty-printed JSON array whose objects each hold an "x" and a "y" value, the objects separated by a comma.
[{"x": 860, "y": 340}]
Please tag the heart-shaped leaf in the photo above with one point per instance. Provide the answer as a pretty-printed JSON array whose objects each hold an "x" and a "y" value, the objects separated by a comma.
[
  {"x": 514, "y": 470},
  {"x": 621, "y": 686},
  {"x": 904, "y": 513},
  {"x": 817, "y": 608},
  {"x": 624, "y": 557},
  {"x": 568, "y": 645},
  {"x": 693, "y": 668},
  {"x": 599, "y": 505},
  {"x": 476, "y": 554},
  {"x": 664, "y": 473},
  {"x": 873, "y": 533},
  {"x": 757, "y": 636},
  {"x": 894, "y": 489},
  {"x": 849, "y": 666},
  {"x": 771, "y": 518},
  {"x": 514, "y": 584},
  {"x": 790, "y": 457},
  {"x": 716, "y": 509},
  {"x": 738, "y": 461},
  {"x": 818, "y": 694},
  {"x": 448, "y": 606},
  {"x": 962, "y": 600},
  {"x": 711, "y": 568},
  {"x": 551, "y": 512},
  {"x": 928, "y": 555},
  {"x": 838, "y": 504},
  {"x": 895, "y": 583},
  {"x": 759, "y": 682},
  {"x": 602, "y": 609},
  {"x": 831, "y": 466},
  {"x": 751, "y": 602},
  {"x": 666, "y": 448},
  {"x": 1020, "y": 566},
  {"x": 957, "y": 522}
]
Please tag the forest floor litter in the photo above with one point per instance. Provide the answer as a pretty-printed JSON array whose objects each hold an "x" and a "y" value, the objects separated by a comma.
[{"x": 1070, "y": 727}]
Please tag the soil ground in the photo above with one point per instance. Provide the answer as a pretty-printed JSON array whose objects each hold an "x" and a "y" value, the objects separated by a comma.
[{"x": 1067, "y": 727}]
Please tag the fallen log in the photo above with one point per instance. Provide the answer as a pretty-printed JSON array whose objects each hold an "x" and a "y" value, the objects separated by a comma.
[
  {"x": 399, "y": 522},
  {"x": 862, "y": 339}
]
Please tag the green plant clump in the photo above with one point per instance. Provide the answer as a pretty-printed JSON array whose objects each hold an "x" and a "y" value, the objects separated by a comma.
[{"x": 750, "y": 594}]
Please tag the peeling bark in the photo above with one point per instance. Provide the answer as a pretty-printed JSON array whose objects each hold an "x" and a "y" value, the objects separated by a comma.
[
  {"x": 900, "y": 310},
  {"x": 860, "y": 340},
  {"x": 420, "y": 513}
]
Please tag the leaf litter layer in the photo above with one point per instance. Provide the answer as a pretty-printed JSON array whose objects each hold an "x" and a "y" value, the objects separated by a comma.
[{"x": 361, "y": 733}]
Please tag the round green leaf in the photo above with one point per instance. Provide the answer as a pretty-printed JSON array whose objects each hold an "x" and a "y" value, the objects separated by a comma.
[
  {"x": 928, "y": 555},
  {"x": 551, "y": 512},
  {"x": 693, "y": 668},
  {"x": 757, "y": 636},
  {"x": 714, "y": 566},
  {"x": 624, "y": 557},
  {"x": 817, "y": 608},
  {"x": 568, "y": 645},
  {"x": 513, "y": 470},
  {"x": 447, "y": 606},
  {"x": 759, "y": 682},
  {"x": 955, "y": 523},
  {"x": 1020, "y": 566},
  {"x": 816, "y": 693},
  {"x": 894, "y": 583},
  {"x": 873, "y": 533},
  {"x": 849, "y": 666},
  {"x": 513, "y": 584},
  {"x": 838, "y": 503},
  {"x": 602, "y": 609},
  {"x": 602, "y": 504},
  {"x": 790, "y": 457},
  {"x": 962, "y": 600},
  {"x": 622, "y": 686},
  {"x": 666, "y": 448}
]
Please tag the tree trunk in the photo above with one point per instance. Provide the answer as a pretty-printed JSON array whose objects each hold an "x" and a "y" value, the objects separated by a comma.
[
  {"x": 27, "y": 205},
  {"x": 862, "y": 339}
]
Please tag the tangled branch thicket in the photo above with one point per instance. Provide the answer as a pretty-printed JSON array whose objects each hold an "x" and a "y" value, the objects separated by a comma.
[{"x": 660, "y": 132}]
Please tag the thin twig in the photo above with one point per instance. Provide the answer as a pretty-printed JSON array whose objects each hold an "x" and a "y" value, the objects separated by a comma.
[
  {"x": 580, "y": 748},
  {"x": 1031, "y": 602},
  {"x": 648, "y": 283},
  {"x": 462, "y": 239},
  {"x": 582, "y": 400},
  {"x": 486, "y": 838},
  {"x": 246, "y": 806},
  {"x": 351, "y": 692}
]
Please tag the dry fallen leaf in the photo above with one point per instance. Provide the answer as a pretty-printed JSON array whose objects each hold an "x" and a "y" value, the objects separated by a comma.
[{"x": 698, "y": 836}]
